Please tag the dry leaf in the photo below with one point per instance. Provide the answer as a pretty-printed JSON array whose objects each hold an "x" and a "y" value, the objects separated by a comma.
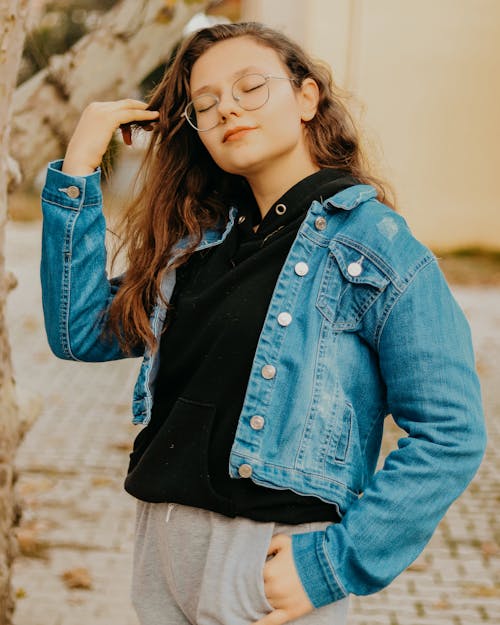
[
  {"x": 490, "y": 549},
  {"x": 77, "y": 577},
  {"x": 102, "y": 481},
  {"x": 442, "y": 604},
  {"x": 30, "y": 543},
  {"x": 418, "y": 566},
  {"x": 41, "y": 356},
  {"x": 122, "y": 445},
  {"x": 33, "y": 486},
  {"x": 121, "y": 408},
  {"x": 30, "y": 323},
  {"x": 481, "y": 590}
]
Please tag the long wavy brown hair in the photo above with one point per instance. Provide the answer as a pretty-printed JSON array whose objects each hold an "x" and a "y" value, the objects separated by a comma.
[{"x": 182, "y": 191}]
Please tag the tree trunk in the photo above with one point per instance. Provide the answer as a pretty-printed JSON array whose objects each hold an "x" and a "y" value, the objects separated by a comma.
[
  {"x": 107, "y": 64},
  {"x": 13, "y": 15}
]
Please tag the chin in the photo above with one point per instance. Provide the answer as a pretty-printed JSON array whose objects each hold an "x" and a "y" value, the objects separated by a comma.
[{"x": 244, "y": 167}]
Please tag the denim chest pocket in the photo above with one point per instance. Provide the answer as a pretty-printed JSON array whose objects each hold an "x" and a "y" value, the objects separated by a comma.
[{"x": 350, "y": 284}]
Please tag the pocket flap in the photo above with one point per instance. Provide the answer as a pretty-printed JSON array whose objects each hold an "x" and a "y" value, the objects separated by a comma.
[{"x": 357, "y": 268}]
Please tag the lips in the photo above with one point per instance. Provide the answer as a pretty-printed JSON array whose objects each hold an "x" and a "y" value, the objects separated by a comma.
[{"x": 235, "y": 131}]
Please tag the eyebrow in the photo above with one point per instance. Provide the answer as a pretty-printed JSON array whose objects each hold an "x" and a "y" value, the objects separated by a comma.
[{"x": 240, "y": 72}]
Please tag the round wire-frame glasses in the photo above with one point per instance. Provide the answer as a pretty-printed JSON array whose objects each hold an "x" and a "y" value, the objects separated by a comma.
[{"x": 250, "y": 91}]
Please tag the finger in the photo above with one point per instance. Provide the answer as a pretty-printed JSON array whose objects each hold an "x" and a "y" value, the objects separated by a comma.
[
  {"x": 131, "y": 103},
  {"x": 128, "y": 116},
  {"x": 276, "y": 617},
  {"x": 126, "y": 134}
]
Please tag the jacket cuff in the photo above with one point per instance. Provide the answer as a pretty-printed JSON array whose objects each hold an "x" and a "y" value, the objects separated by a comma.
[
  {"x": 73, "y": 192},
  {"x": 314, "y": 571}
]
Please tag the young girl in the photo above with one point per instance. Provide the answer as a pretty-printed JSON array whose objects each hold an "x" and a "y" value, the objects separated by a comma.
[{"x": 283, "y": 311}]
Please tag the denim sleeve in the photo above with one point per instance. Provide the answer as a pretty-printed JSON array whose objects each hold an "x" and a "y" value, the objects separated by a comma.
[
  {"x": 76, "y": 290},
  {"x": 427, "y": 363}
]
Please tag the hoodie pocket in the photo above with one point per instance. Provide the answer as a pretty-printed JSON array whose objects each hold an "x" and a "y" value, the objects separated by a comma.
[{"x": 174, "y": 466}]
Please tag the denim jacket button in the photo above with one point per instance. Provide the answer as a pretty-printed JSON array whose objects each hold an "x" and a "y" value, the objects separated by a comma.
[
  {"x": 268, "y": 372},
  {"x": 284, "y": 319},
  {"x": 72, "y": 192},
  {"x": 245, "y": 470},
  {"x": 354, "y": 269},
  {"x": 257, "y": 422},
  {"x": 301, "y": 268},
  {"x": 320, "y": 223}
]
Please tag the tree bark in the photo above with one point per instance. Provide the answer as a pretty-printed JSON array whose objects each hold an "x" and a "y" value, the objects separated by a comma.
[
  {"x": 133, "y": 38},
  {"x": 13, "y": 14}
]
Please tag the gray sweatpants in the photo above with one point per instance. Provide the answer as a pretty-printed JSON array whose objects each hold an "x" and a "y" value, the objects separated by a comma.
[{"x": 193, "y": 566}]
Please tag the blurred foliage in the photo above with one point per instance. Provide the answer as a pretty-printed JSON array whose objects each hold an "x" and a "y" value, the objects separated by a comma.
[
  {"x": 471, "y": 266},
  {"x": 64, "y": 22},
  {"x": 61, "y": 25},
  {"x": 228, "y": 9}
]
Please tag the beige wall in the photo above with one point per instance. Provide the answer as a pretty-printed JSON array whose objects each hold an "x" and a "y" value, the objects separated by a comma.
[{"x": 428, "y": 76}]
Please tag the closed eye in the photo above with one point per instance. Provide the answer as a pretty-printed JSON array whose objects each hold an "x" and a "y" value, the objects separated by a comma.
[
  {"x": 205, "y": 109},
  {"x": 250, "y": 89}
]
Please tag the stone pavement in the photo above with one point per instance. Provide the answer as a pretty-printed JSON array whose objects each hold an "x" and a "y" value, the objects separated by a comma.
[{"x": 76, "y": 514}]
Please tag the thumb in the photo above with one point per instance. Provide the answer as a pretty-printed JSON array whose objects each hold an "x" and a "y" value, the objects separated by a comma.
[{"x": 278, "y": 541}]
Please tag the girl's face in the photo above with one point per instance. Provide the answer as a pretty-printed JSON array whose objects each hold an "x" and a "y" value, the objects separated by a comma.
[{"x": 271, "y": 137}]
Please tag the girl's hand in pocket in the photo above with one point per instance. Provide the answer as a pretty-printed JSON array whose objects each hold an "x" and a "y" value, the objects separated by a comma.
[{"x": 282, "y": 585}]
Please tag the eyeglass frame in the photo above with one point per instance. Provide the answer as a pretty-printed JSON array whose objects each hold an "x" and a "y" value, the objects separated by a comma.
[{"x": 267, "y": 78}]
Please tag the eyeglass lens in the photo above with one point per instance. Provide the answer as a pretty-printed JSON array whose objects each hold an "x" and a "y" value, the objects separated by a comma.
[{"x": 250, "y": 92}]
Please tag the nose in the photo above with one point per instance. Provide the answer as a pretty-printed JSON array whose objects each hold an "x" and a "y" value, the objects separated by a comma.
[{"x": 228, "y": 106}]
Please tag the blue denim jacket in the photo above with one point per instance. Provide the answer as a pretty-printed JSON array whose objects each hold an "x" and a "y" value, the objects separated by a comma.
[{"x": 374, "y": 330}]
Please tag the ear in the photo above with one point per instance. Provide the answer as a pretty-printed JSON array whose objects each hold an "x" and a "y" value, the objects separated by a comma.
[{"x": 309, "y": 98}]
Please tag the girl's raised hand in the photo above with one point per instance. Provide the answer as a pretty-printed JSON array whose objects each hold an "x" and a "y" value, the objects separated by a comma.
[{"x": 95, "y": 129}]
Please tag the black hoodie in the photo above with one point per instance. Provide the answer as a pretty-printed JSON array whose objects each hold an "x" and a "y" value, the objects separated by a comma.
[{"x": 219, "y": 304}]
